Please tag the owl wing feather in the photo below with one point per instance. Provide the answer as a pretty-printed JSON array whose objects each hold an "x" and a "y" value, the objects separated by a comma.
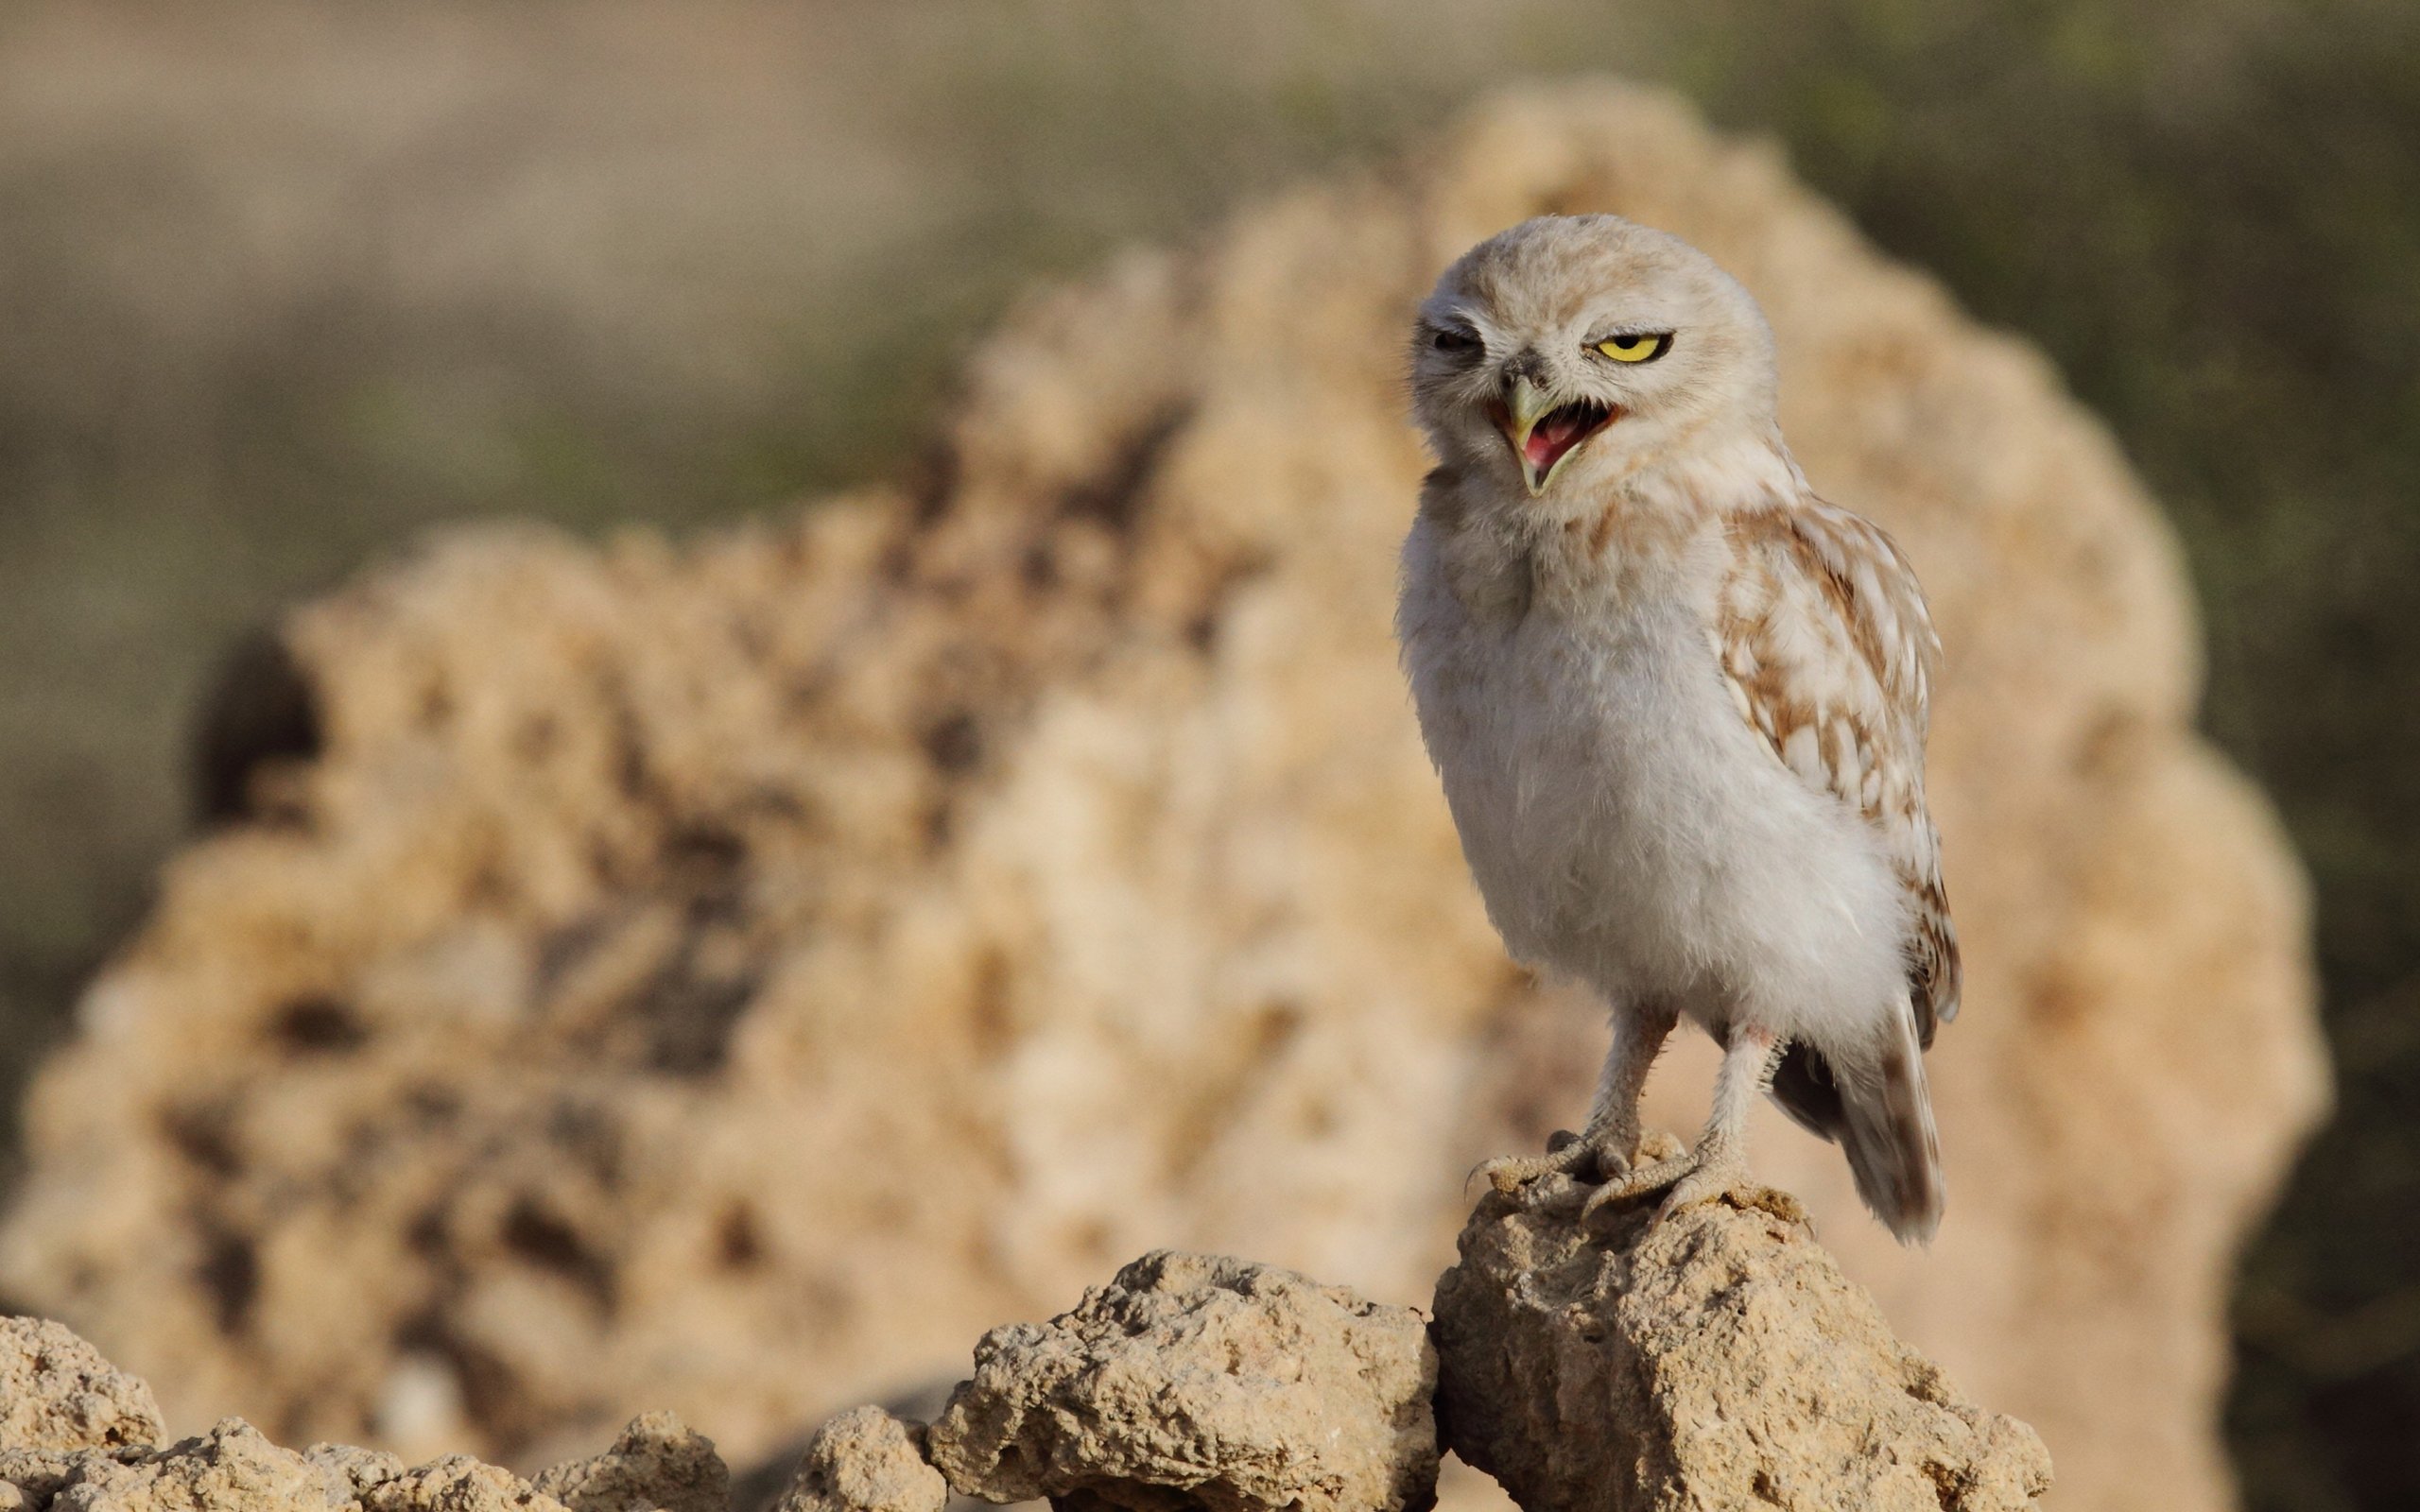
[{"x": 1829, "y": 651}]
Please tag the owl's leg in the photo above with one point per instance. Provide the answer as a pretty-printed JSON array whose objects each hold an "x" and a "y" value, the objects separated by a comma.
[
  {"x": 1720, "y": 1161},
  {"x": 1610, "y": 1143},
  {"x": 1613, "y": 1115}
]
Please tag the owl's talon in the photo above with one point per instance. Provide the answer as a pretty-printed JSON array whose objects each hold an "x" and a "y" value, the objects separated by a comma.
[
  {"x": 1710, "y": 1182},
  {"x": 1567, "y": 1155},
  {"x": 1510, "y": 1174}
]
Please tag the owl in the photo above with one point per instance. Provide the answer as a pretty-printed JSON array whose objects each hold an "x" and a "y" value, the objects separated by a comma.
[{"x": 1678, "y": 703}]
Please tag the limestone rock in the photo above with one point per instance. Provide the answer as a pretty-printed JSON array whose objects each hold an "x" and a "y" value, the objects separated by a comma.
[
  {"x": 233, "y": 1468},
  {"x": 865, "y": 1460},
  {"x": 76, "y": 1437},
  {"x": 657, "y": 1465},
  {"x": 457, "y": 1483},
  {"x": 731, "y": 977},
  {"x": 1201, "y": 1382},
  {"x": 57, "y": 1392},
  {"x": 1718, "y": 1359},
  {"x": 229, "y": 1469},
  {"x": 363, "y": 1470}
]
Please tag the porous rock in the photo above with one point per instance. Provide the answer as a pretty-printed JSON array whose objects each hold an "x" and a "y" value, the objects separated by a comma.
[
  {"x": 455, "y": 1483},
  {"x": 729, "y": 977},
  {"x": 865, "y": 1460},
  {"x": 77, "y": 1436},
  {"x": 1201, "y": 1382},
  {"x": 229, "y": 1469},
  {"x": 1715, "y": 1359},
  {"x": 658, "y": 1464},
  {"x": 57, "y": 1392},
  {"x": 233, "y": 1467}
]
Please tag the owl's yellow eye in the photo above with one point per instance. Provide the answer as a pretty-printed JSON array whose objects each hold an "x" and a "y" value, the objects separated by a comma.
[{"x": 1646, "y": 347}]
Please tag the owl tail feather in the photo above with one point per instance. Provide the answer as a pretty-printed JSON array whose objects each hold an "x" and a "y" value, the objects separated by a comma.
[{"x": 1873, "y": 1101}]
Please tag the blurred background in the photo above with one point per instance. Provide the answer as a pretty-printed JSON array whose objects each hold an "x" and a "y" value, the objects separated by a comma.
[{"x": 281, "y": 286}]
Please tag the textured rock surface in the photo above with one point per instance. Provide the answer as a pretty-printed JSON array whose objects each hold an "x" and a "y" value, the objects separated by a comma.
[
  {"x": 730, "y": 978},
  {"x": 1201, "y": 1382},
  {"x": 231, "y": 1467},
  {"x": 865, "y": 1460},
  {"x": 657, "y": 1465},
  {"x": 57, "y": 1392},
  {"x": 78, "y": 1435},
  {"x": 1720, "y": 1361}
]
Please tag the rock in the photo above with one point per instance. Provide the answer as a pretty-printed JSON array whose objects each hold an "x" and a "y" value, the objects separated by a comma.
[
  {"x": 74, "y": 1435},
  {"x": 1719, "y": 1359},
  {"x": 57, "y": 1392},
  {"x": 362, "y": 1470},
  {"x": 229, "y": 1469},
  {"x": 30, "y": 1478},
  {"x": 865, "y": 1460},
  {"x": 457, "y": 1483},
  {"x": 1201, "y": 1382},
  {"x": 1716, "y": 1360},
  {"x": 657, "y": 1465},
  {"x": 233, "y": 1468},
  {"x": 729, "y": 977}
]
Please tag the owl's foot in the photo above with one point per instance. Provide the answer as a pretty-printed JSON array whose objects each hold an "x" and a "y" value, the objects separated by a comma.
[
  {"x": 1574, "y": 1159},
  {"x": 1714, "y": 1169},
  {"x": 1567, "y": 1155}
]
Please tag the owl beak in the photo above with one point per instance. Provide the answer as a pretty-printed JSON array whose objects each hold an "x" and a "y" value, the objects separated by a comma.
[{"x": 1543, "y": 433}]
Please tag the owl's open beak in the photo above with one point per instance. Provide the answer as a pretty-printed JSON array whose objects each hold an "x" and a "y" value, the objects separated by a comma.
[{"x": 1543, "y": 433}]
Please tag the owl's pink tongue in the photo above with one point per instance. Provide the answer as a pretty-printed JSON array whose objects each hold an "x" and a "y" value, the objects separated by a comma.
[{"x": 1557, "y": 433}]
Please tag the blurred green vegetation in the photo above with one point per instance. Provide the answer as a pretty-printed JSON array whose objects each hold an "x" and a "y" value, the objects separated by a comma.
[{"x": 282, "y": 286}]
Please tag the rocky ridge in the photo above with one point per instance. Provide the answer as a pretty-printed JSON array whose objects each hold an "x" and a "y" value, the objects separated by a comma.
[{"x": 1714, "y": 1359}]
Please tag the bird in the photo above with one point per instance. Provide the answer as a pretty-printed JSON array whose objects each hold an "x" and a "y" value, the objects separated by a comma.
[{"x": 1678, "y": 704}]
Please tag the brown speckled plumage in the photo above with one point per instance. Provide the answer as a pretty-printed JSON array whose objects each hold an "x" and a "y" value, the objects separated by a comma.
[{"x": 1829, "y": 651}]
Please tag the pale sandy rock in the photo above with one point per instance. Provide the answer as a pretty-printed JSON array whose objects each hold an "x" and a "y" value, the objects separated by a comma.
[
  {"x": 457, "y": 1483},
  {"x": 865, "y": 1460},
  {"x": 229, "y": 1469},
  {"x": 1719, "y": 1359},
  {"x": 731, "y": 977},
  {"x": 76, "y": 1437},
  {"x": 657, "y": 1465},
  {"x": 57, "y": 1392},
  {"x": 362, "y": 1471},
  {"x": 1201, "y": 1382},
  {"x": 30, "y": 1478},
  {"x": 235, "y": 1468}
]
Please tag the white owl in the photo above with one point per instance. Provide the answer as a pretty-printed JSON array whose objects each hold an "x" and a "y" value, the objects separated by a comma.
[{"x": 1679, "y": 706}]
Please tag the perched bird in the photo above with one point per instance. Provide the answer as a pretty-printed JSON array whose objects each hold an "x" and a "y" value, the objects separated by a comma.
[{"x": 1679, "y": 705}]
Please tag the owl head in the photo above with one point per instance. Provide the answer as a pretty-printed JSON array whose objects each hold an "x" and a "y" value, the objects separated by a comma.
[{"x": 1572, "y": 350}]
